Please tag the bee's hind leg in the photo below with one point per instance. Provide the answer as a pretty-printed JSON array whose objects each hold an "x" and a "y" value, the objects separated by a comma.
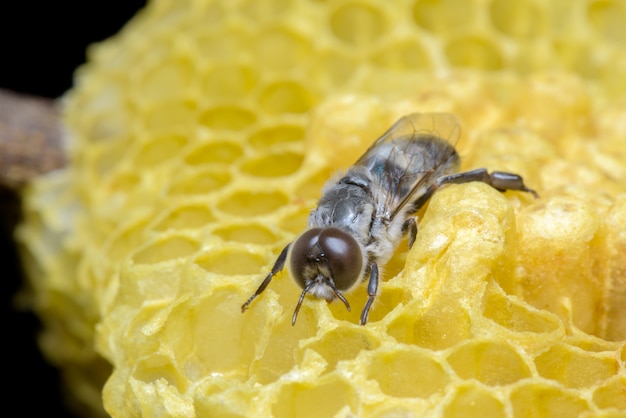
[{"x": 499, "y": 180}]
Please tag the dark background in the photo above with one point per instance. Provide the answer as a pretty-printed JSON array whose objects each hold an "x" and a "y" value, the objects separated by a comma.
[{"x": 41, "y": 44}]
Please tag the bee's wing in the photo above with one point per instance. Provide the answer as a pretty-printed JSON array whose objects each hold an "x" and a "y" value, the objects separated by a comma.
[{"x": 407, "y": 158}]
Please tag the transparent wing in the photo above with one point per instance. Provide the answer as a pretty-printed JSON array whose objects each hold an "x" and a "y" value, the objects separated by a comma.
[{"x": 407, "y": 158}]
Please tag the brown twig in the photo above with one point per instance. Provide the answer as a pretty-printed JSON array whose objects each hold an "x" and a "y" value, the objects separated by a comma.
[{"x": 30, "y": 138}]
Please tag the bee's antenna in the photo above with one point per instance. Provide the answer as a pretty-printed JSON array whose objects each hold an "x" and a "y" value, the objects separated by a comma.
[
  {"x": 304, "y": 292},
  {"x": 339, "y": 295}
]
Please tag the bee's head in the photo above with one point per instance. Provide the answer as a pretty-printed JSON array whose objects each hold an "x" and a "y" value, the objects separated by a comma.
[{"x": 325, "y": 262}]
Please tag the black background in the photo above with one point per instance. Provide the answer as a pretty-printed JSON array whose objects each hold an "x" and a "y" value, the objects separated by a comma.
[{"x": 41, "y": 44}]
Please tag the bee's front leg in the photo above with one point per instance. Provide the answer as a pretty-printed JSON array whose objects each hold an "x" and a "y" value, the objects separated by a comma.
[
  {"x": 277, "y": 268},
  {"x": 372, "y": 288}
]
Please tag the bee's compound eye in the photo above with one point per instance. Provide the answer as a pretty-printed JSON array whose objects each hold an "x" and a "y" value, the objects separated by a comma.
[
  {"x": 330, "y": 252},
  {"x": 344, "y": 256},
  {"x": 303, "y": 252}
]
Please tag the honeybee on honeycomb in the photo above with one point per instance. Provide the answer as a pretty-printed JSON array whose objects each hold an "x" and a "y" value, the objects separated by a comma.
[
  {"x": 201, "y": 137},
  {"x": 361, "y": 217}
]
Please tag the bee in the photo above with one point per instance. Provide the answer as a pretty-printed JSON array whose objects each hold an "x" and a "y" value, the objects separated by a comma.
[{"x": 361, "y": 218}]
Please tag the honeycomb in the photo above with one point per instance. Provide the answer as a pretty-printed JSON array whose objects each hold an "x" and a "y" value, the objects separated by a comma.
[{"x": 201, "y": 136}]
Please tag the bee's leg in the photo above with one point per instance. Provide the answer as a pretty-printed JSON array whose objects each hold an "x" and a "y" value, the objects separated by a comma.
[
  {"x": 499, "y": 180},
  {"x": 410, "y": 226},
  {"x": 372, "y": 288},
  {"x": 278, "y": 266}
]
